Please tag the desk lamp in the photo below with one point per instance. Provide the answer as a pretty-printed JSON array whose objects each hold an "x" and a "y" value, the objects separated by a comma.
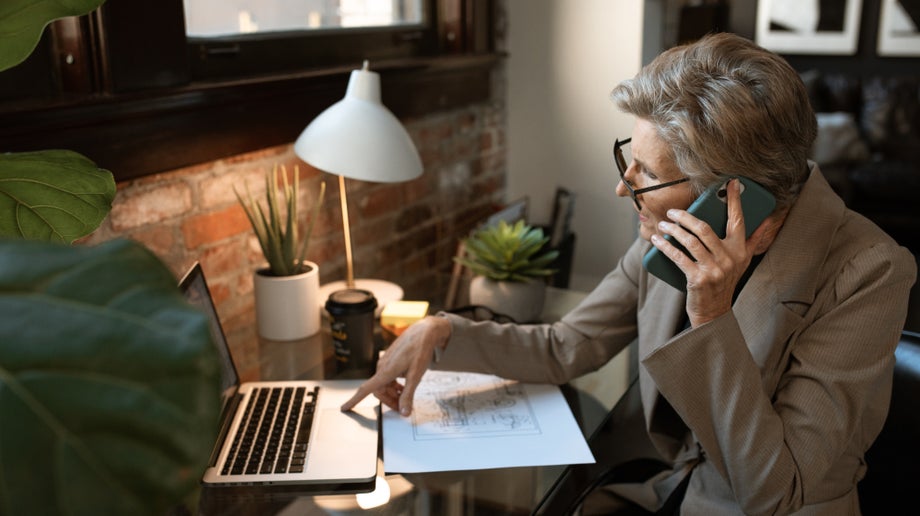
[{"x": 359, "y": 138}]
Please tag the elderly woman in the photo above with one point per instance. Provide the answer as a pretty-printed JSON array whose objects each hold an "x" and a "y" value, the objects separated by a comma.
[{"x": 766, "y": 381}]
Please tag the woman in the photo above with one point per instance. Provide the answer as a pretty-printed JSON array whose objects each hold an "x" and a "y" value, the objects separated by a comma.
[{"x": 777, "y": 361}]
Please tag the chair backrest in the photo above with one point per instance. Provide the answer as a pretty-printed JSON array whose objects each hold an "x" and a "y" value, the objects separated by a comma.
[
  {"x": 623, "y": 452},
  {"x": 892, "y": 482}
]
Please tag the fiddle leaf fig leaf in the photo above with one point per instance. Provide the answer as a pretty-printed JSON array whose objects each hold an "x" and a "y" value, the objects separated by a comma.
[
  {"x": 54, "y": 195},
  {"x": 22, "y": 23},
  {"x": 109, "y": 382}
]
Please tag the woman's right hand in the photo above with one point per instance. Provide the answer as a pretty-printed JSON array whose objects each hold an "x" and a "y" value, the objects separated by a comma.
[{"x": 408, "y": 357}]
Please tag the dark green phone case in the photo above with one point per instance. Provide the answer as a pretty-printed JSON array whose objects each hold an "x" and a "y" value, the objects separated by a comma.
[{"x": 756, "y": 203}]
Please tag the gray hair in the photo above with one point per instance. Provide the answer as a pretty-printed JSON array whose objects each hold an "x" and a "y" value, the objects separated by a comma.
[{"x": 726, "y": 106}]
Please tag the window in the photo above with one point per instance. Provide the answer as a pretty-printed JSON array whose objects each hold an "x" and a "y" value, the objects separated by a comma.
[
  {"x": 257, "y": 37},
  {"x": 127, "y": 87},
  {"x": 210, "y": 18}
]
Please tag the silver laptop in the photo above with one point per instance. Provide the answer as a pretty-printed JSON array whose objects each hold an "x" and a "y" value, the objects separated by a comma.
[{"x": 286, "y": 432}]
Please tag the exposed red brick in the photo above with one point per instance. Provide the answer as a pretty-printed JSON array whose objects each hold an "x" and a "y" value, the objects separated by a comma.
[
  {"x": 382, "y": 200},
  {"x": 159, "y": 239},
  {"x": 219, "y": 292},
  {"x": 413, "y": 216},
  {"x": 213, "y": 227},
  {"x": 135, "y": 208},
  {"x": 224, "y": 259},
  {"x": 418, "y": 189}
]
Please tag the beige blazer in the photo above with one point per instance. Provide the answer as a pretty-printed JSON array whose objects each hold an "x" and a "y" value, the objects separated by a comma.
[{"x": 778, "y": 399}]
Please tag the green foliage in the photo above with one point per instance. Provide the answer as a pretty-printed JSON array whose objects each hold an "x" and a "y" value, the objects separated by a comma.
[
  {"x": 22, "y": 23},
  {"x": 277, "y": 229},
  {"x": 109, "y": 382},
  {"x": 54, "y": 195},
  {"x": 503, "y": 252}
]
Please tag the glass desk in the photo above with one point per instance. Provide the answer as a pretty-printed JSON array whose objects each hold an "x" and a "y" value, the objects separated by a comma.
[{"x": 492, "y": 491}]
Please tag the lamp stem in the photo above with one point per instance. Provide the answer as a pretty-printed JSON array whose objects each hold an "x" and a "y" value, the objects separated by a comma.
[{"x": 350, "y": 270}]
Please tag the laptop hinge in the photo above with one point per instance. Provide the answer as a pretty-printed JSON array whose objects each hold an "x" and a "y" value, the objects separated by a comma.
[{"x": 226, "y": 419}]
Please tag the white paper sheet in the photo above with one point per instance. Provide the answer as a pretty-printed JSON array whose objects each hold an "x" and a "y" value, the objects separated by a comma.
[{"x": 463, "y": 421}]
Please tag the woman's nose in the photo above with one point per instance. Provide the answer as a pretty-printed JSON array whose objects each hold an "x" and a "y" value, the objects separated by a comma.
[{"x": 621, "y": 189}]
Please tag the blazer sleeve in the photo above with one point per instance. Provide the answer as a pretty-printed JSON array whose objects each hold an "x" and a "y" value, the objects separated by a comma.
[
  {"x": 777, "y": 449},
  {"x": 583, "y": 340}
]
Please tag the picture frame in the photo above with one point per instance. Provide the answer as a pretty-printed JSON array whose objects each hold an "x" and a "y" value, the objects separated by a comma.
[
  {"x": 899, "y": 28},
  {"x": 803, "y": 27},
  {"x": 563, "y": 208}
]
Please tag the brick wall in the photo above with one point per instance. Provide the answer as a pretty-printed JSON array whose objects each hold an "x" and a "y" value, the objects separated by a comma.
[{"x": 401, "y": 232}]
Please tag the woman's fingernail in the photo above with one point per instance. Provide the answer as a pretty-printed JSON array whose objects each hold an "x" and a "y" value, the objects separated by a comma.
[
  {"x": 404, "y": 411},
  {"x": 672, "y": 213}
]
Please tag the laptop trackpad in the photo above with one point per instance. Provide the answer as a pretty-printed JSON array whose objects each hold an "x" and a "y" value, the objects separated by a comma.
[{"x": 345, "y": 445}]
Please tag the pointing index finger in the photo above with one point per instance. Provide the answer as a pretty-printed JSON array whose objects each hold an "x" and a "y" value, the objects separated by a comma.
[{"x": 375, "y": 382}]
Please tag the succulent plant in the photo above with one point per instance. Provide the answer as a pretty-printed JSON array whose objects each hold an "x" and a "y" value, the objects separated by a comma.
[
  {"x": 284, "y": 249},
  {"x": 505, "y": 252}
]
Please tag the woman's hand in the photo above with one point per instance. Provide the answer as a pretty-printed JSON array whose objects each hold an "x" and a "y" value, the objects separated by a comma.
[
  {"x": 720, "y": 263},
  {"x": 408, "y": 356}
]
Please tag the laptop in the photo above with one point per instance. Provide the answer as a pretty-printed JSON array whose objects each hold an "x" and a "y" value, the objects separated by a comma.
[{"x": 286, "y": 432}]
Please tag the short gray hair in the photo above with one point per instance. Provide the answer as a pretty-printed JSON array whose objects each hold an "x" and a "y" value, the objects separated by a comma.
[{"x": 726, "y": 106}]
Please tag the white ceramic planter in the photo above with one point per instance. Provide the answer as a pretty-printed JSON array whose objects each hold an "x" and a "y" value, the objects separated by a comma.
[
  {"x": 521, "y": 301},
  {"x": 287, "y": 307}
]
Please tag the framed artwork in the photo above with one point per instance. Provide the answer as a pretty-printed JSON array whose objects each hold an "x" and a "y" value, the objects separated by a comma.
[
  {"x": 808, "y": 26},
  {"x": 899, "y": 28}
]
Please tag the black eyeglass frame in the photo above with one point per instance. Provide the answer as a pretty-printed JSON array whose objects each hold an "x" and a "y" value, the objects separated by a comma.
[
  {"x": 480, "y": 313},
  {"x": 622, "y": 166}
]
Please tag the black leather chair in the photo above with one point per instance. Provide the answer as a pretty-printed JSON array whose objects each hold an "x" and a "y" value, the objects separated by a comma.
[
  {"x": 892, "y": 479},
  {"x": 890, "y": 487},
  {"x": 620, "y": 440}
]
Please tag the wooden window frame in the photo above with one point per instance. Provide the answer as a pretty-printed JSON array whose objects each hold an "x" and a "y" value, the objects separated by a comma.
[{"x": 141, "y": 113}]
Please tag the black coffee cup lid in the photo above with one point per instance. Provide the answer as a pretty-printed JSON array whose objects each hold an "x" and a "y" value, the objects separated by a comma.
[{"x": 350, "y": 300}]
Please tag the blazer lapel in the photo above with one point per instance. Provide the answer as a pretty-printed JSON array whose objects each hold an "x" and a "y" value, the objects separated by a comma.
[{"x": 782, "y": 289}]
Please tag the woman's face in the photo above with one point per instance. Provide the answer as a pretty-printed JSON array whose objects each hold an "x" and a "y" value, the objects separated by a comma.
[{"x": 651, "y": 165}]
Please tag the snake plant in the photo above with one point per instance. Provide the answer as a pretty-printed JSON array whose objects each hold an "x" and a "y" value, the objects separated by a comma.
[{"x": 277, "y": 229}]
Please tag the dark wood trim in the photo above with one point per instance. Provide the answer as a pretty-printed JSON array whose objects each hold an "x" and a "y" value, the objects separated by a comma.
[{"x": 144, "y": 133}]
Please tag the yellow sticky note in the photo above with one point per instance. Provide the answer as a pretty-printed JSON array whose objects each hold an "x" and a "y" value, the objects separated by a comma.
[{"x": 399, "y": 314}]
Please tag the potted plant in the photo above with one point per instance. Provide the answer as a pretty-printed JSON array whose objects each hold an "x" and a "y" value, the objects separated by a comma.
[
  {"x": 109, "y": 374},
  {"x": 287, "y": 288},
  {"x": 510, "y": 266}
]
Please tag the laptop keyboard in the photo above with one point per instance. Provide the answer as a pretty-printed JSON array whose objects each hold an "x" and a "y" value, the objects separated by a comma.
[{"x": 274, "y": 433}]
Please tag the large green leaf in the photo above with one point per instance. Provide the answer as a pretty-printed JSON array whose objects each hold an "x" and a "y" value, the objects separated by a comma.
[
  {"x": 22, "y": 23},
  {"x": 54, "y": 195},
  {"x": 109, "y": 382}
]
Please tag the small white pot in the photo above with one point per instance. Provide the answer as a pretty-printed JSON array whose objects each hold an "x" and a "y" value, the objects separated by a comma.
[
  {"x": 287, "y": 307},
  {"x": 523, "y": 301}
]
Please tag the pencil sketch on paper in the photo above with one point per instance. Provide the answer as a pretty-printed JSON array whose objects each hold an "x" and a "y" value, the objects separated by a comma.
[{"x": 450, "y": 405}]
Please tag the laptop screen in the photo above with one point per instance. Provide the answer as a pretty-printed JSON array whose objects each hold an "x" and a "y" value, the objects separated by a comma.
[{"x": 196, "y": 292}]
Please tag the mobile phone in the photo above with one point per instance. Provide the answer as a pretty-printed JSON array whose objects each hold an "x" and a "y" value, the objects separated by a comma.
[{"x": 712, "y": 207}]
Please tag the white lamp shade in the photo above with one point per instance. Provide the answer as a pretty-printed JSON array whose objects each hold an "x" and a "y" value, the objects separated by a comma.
[{"x": 359, "y": 138}]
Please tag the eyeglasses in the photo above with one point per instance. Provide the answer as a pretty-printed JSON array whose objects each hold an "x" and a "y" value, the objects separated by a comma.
[{"x": 622, "y": 165}]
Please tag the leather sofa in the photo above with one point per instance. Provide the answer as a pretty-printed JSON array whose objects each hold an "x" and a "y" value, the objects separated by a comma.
[{"x": 868, "y": 146}]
